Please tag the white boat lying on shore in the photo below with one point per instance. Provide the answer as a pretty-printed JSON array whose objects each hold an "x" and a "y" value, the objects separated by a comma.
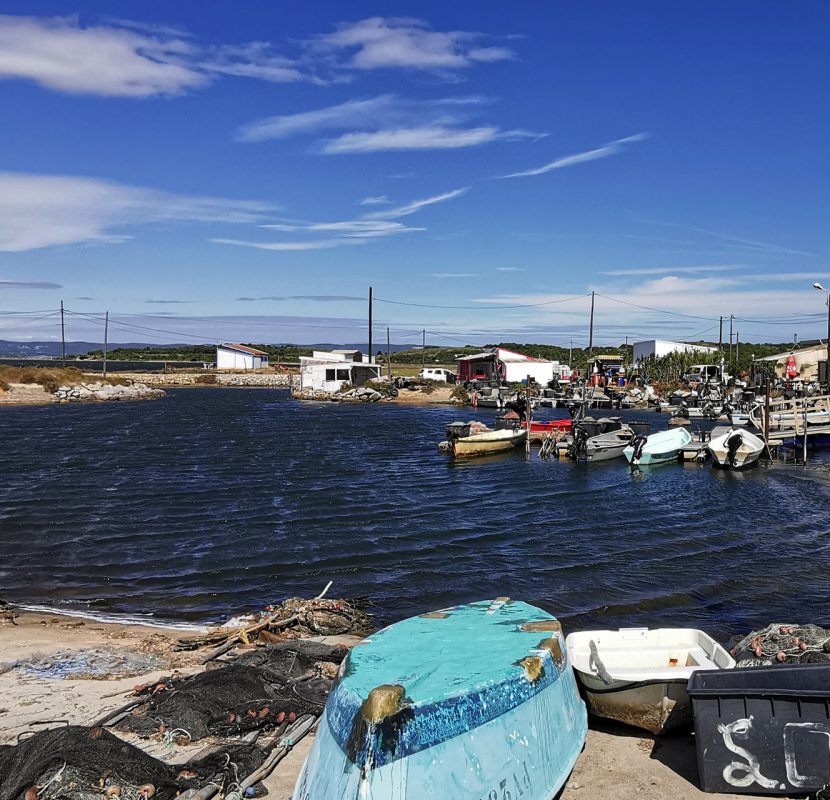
[
  {"x": 736, "y": 448},
  {"x": 638, "y": 676}
]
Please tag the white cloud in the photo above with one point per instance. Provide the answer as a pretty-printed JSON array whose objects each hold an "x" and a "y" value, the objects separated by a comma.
[
  {"x": 45, "y": 210},
  {"x": 391, "y": 42},
  {"x": 123, "y": 59},
  {"x": 674, "y": 270},
  {"x": 417, "y": 205},
  {"x": 610, "y": 149},
  {"x": 509, "y": 269},
  {"x": 376, "y": 200},
  {"x": 323, "y": 244},
  {"x": 374, "y": 225},
  {"x": 423, "y": 138},
  {"x": 388, "y": 122}
]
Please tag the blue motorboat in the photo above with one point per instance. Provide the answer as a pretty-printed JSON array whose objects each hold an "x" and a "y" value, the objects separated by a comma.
[{"x": 472, "y": 702}]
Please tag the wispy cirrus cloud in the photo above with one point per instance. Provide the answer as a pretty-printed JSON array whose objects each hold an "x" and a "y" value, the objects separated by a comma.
[
  {"x": 371, "y": 226},
  {"x": 317, "y": 298},
  {"x": 29, "y": 285},
  {"x": 610, "y": 149},
  {"x": 674, "y": 270},
  {"x": 46, "y": 210},
  {"x": 170, "y": 302},
  {"x": 509, "y": 269},
  {"x": 375, "y": 200},
  {"x": 405, "y": 42},
  {"x": 388, "y": 122}
]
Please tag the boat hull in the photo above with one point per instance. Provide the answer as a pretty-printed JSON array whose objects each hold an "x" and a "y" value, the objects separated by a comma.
[
  {"x": 660, "y": 448},
  {"x": 658, "y": 707},
  {"x": 745, "y": 455},
  {"x": 474, "y": 446},
  {"x": 503, "y": 729}
]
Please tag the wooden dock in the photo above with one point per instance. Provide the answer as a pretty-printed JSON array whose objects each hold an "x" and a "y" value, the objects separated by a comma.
[{"x": 782, "y": 420}]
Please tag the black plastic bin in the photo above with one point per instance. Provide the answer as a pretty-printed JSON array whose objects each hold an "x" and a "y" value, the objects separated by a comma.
[{"x": 763, "y": 730}]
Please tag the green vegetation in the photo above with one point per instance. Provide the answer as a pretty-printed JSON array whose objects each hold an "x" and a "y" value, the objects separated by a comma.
[{"x": 196, "y": 352}]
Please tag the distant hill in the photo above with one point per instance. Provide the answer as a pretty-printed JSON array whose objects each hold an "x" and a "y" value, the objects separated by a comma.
[{"x": 131, "y": 351}]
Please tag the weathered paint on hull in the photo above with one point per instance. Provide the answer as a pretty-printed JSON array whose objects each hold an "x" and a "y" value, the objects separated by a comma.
[
  {"x": 462, "y": 449},
  {"x": 657, "y": 707},
  {"x": 473, "y": 702}
]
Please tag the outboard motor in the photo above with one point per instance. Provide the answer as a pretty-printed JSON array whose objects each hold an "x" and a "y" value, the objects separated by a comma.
[
  {"x": 682, "y": 411},
  {"x": 732, "y": 445},
  {"x": 638, "y": 443}
]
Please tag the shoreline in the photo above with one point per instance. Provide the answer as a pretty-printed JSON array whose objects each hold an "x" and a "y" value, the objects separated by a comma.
[{"x": 617, "y": 763}]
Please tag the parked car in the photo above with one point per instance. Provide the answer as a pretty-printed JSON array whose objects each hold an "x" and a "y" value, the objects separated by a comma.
[
  {"x": 437, "y": 374},
  {"x": 704, "y": 373}
]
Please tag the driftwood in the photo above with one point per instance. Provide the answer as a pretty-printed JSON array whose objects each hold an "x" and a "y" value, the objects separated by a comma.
[{"x": 296, "y": 617}]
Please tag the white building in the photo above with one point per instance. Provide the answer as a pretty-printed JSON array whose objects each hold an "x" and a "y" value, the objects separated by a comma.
[
  {"x": 508, "y": 366},
  {"x": 240, "y": 356},
  {"x": 662, "y": 347},
  {"x": 328, "y": 370}
]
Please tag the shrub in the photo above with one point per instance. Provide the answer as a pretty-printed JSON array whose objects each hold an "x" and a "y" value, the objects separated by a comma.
[
  {"x": 460, "y": 394},
  {"x": 208, "y": 379}
]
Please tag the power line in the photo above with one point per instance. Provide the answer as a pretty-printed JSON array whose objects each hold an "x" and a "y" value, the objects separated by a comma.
[
  {"x": 483, "y": 307},
  {"x": 658, "y": 310}
]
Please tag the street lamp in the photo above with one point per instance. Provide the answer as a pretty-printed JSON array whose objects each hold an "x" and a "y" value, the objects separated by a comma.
[{"x": 818, "y": 286}]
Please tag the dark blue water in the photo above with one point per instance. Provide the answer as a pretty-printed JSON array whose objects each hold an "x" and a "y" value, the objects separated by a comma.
[{"x": 210, "y": 501}]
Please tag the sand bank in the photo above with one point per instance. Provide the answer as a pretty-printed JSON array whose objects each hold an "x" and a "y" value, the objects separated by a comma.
[{"x": 617, "y": 763}]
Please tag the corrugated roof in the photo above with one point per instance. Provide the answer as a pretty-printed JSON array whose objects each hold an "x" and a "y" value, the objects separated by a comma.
[{"x": 252, "y": 351}]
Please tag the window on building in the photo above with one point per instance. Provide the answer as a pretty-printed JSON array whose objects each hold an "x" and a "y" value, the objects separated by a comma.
[
  {"x": 330, "y": 375},
  {"x": 342, "y": 374}
]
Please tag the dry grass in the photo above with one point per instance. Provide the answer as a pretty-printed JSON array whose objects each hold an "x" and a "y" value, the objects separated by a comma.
[{"x": 50, "y": 378}]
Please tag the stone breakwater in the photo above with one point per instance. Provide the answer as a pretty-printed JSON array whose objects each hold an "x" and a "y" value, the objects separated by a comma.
[
  {"x": 269, "y": 380},
  {"x": 105, "y": 392},
  {"x": 351, "y": 396}
]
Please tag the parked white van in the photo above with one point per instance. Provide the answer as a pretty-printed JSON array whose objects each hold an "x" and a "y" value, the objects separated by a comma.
[{"x": 437, "y": 374}]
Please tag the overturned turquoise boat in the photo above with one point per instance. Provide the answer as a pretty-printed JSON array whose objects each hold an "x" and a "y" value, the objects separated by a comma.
[{"x": 474, "y": 702}]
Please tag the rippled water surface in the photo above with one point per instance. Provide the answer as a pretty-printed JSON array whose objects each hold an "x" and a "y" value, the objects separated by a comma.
[{"x": 211, "y": 501}]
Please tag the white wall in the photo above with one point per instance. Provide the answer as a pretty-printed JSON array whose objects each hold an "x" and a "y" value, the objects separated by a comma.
[
  {"x": 517, "y": 371},
  {"x": 231, "y": 359},
  {"x": 662, "y": 347},
  {"x": 313, "y": 376}
]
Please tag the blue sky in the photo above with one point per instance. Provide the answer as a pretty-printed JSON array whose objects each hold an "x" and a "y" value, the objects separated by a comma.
[{"x": 206, "y": 173}]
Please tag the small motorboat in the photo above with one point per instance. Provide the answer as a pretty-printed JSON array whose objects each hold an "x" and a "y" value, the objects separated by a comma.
[
  {"x": 488, "y": 443},
  {"x": 735, "y": 449},
  {"x": 638, "y": 676},
  {"x": 659, "y": 448},
  {"x": 475, "y": 701},
  {"x": 550, "y": 425}
]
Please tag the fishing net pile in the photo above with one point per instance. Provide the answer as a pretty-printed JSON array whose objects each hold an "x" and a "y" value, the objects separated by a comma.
[
  {"x": 265, "y": 689},
  {"x": 783, "y": 644},
  {"x": 81, "y": 763}
]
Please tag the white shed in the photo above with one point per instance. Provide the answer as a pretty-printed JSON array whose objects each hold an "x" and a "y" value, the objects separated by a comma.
[
  {"x": 662, "y": 347},
  {"x": 328, "y": 371},
  {"x": 240, "y": 356}
]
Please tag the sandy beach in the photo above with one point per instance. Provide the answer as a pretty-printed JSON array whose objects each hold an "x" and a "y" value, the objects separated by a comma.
[{"x": 617, "y": 763}]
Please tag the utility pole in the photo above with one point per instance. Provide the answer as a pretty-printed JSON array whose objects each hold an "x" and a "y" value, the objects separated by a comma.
[
  {"x": 591, "y": 329},
  {"x": 423, "y": 348},
  {"x": 371, "y": 357},
  {"x": 63, "y": 339},
  {"x": 737, "y": 345},
  {"x": 106, "y": 331},
  {"x": 731, "y": 317},
  {"x": 795, "y": 340},
  {"x": 571, "y": 355},
  {"x": 720, "y": 336},
  {"x": 388, "y": 355}
]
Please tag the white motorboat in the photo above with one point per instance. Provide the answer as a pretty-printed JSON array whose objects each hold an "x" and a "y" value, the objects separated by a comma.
[
  {"x": 638, "y": 676},
  {"x": 735, "y": 449},
  {"x": 659, "y": 448}
]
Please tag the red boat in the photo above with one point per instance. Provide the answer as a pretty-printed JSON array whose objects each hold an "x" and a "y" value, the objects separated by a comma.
[{"x": 550, "y": 425}]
